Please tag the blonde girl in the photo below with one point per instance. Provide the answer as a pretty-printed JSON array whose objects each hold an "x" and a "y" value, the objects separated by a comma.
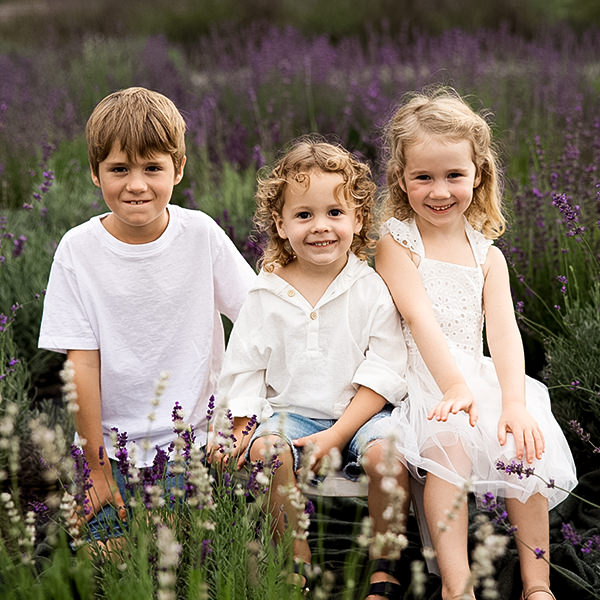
[{"x": 468, "y": 413}]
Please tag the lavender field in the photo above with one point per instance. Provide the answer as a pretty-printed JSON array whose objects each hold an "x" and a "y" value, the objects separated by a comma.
[{"x": 245, "y": 89}]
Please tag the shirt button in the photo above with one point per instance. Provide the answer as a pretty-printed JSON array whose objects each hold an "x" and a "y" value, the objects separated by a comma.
[
  {"x": 313, "y": 315},
  {"x": 291, "y": 293}
]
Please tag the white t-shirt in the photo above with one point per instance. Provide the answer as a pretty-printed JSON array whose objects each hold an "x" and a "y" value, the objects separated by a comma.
[
  {"x": 285, "y": 355},
  {"x": 149, "y": 308}
]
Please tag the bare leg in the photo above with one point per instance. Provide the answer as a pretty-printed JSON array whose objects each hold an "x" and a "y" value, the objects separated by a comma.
[
  {"x": 451, "y": 544},
  {"x": 379, "y": 500},
  {"x": 280, "y": 508},
  {"x": 531, "y": 520}
]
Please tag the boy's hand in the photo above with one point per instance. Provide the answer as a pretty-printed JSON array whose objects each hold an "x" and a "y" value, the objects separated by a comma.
[
  {"x": 529, "y": 440},
  {"x": 458, "y": 397},
  {"x": 104, "y": 491},
  {"x": 242, "y": 436},
  {"x": 323, "y": 442}
]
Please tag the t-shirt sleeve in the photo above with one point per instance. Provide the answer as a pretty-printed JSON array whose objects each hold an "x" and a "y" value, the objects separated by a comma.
[
  {"x": 65, "y": 323},
  {"x": 233, "y": 277},
  {"x": 242, "y": 387},
  {"x": 384, "y": 367}
]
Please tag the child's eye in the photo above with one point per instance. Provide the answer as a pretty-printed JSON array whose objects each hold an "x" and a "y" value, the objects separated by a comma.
[
  {"x": 303, "y": 215},
  {"x": 422, "y": 177},
  {"x": 153, "y": 168},
  {"x": 119, "y": 170},
  {"x": 336, "y": 212},
  {"x": 454, "y": 175}
]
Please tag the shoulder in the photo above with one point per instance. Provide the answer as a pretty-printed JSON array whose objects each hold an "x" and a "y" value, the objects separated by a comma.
[
  {"x": 404, "y": 234},
  {"x": 84, "y": 237},
  {"x": 195, "y": 219},
  {"x": 479, "y": 243},
  {"x": 495, "y": 263}
]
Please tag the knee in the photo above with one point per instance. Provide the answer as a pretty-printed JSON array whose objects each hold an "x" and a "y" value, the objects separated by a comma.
[{"x": 269, "y": 445}]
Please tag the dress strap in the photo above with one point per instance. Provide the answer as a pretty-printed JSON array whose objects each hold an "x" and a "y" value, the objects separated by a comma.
[
  {"x": 479, "y": 243},
  {"x": 406, "y": 233}
]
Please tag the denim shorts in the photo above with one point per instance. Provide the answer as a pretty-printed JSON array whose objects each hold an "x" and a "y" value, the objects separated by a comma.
[
  {"x": 106, "y": 524},
  {"x": 291, "y": 426}
]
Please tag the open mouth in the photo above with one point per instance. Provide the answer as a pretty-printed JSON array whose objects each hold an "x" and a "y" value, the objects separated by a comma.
[
  {"x": 440, "y": 208},
  {"x": 322, "y": 244},
  {"x": 137, "y": 202}
]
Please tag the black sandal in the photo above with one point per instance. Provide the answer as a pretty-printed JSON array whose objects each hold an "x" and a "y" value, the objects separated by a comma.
[{"x": 387, "y": 589}]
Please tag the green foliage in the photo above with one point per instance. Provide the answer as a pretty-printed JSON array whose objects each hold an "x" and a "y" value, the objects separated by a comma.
[{"x": 573, "y": 373}]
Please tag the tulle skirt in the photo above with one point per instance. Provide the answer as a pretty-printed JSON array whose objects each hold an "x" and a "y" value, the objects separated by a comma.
[{"x": 457, "y": 452}]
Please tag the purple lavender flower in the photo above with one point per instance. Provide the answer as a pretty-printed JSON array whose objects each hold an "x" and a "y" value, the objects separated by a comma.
[
  {"x": 82, "y": 479},
  {"x": 211, "y": 408},
  {"x": 38, "y": 507},
  {"x": 205, "y": 550},
  {"x": 19, "y": 246},
  {"x": 539, "y": 553},
  {"x": 515, "y": 468},
  {"x": 570, "y": 215},
  {"x": 570, "y": 534}
]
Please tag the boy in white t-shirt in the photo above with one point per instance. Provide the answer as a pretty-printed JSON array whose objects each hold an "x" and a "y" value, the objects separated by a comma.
[{"x": 139, "y": 291}]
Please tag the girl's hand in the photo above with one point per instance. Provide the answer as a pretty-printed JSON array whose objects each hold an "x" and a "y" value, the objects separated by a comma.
[
  {"x": 529, "y": 440},
  {"x": 323, "y": 442},
  {"x": 457, "y": 397}
]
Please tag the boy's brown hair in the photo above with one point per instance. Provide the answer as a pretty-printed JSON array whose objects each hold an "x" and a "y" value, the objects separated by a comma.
[
  {"x": 302, "y": 157},
  {"x": 142, "y": 121}
]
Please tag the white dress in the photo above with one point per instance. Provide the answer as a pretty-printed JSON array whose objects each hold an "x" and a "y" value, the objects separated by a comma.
[{"x": 453, "y": 450}]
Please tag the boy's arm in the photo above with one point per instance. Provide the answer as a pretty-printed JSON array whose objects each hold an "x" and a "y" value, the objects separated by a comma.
[
  {"x": 394, "y": 264},
  {"x": 506, "y": 348},
  {"x": 88, "y": 422},
  {"x": 362, "y": 407}
]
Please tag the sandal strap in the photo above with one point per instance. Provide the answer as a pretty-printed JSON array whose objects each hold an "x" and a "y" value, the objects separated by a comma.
[
  {"x": 388, "y": 589},
  {"x": 537, "y": 588},
  {"x": 385, "y": 565}
]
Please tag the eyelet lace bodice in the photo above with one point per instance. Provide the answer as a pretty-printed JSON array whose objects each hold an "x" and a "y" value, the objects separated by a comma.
[{"x": 455, "y": 291}]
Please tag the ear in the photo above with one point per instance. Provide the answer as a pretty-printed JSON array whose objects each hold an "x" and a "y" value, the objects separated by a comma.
[
  {"x": 179, "y": 173},
  {"x": 477, "y": 179},
  {"x": 95, "y": 178},
  {"x": 400, "y": 178},
  {"x": 358, "y": 222},
  {"x": 279, "y": 225}
]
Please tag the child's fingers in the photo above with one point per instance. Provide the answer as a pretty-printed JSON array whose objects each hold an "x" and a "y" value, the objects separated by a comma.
[
  {"x": 473, "y": 414},
  {"x": 502, "y": 433}
]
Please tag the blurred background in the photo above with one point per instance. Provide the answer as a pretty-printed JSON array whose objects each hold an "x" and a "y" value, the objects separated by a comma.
[{"x": 251, "y": 75}]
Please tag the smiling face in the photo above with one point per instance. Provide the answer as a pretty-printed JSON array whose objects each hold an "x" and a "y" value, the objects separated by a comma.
[
  {"x": 137, "y": 192},
  {"x": 317, "y": 222},
  {"x": 439, "y": 178}
]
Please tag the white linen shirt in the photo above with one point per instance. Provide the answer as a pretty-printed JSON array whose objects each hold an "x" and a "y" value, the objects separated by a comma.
[{"x": 286, "y": 355}]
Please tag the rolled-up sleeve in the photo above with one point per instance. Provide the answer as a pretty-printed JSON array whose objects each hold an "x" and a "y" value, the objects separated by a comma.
[
  {"x": 242, "y": 386},
  {"x": 384, "y": 368}
]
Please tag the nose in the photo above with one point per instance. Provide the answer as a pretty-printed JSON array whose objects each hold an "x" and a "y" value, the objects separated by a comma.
[
  {"x": 320, "y": 223},
  {"x": 439, "y": 189},
  {"x": 136, "y": 182}
]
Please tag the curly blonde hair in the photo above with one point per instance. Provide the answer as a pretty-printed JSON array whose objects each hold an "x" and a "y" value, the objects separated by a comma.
[
  {"x": 440, "y": 111},
  {"x": 302, "y": 157}
]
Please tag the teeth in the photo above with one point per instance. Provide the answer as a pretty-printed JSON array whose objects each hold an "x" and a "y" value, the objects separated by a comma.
[
  {"x": 321, "y": 243},
  {"x": 440, "y": 208},
  {"x": 137, "y": 202}
]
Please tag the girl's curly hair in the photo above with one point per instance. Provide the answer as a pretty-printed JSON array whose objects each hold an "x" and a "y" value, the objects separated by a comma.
[
  {"x": 440, "y": 111},
  {"x": 303, "y": 156}
]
